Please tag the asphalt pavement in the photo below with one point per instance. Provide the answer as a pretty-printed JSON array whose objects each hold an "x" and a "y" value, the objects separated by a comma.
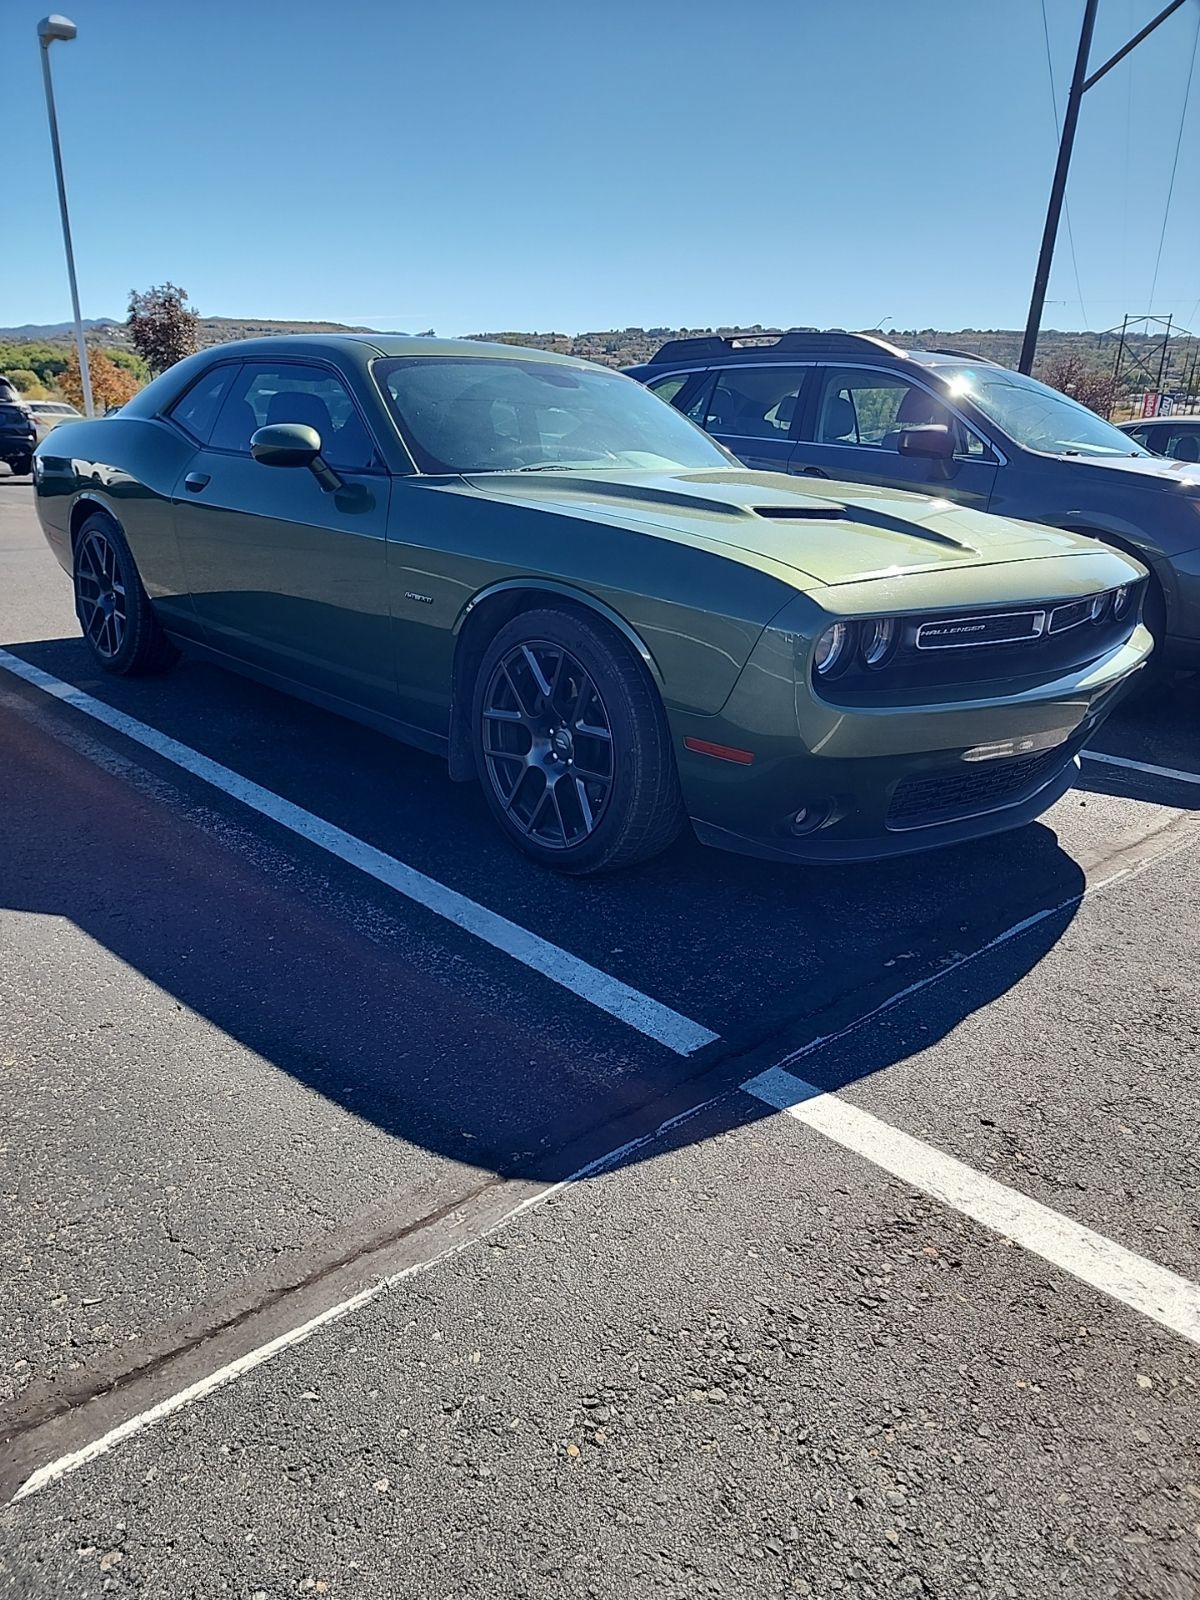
[{"x": 384, "y": 1216}]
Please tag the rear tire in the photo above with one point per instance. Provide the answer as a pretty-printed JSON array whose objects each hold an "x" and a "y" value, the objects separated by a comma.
[
  {"x": 118, "y": 621},
  {"x": 572, "y": 744}
]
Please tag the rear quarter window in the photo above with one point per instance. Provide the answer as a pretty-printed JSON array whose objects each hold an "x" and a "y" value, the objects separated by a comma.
[{"x": 196, "y": 409}]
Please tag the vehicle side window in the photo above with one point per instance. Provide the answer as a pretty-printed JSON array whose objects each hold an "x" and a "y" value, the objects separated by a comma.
[
  {"x": 1183, "y": 444},
  {"x": 668, "y": 388},
  {"x": 688, "y": 392},
  {"x": 196, "y": 410},
  {"x": 872, "y": 409},
  {"x": 282, "y": 391},
  {"x": 754, "y": 402}
]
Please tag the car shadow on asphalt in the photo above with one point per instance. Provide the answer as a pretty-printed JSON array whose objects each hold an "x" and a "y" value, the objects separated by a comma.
[{"x": 446, "y": 1046}]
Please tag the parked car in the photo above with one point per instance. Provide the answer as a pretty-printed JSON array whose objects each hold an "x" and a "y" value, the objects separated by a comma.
[
  {"x": 48, "y": 414},
  {"x": 955, "y": 426},
  {"x": 533, "y": 567},
  {"x": 17, "y": 435},
  {"x": 1175, "y": 437}
]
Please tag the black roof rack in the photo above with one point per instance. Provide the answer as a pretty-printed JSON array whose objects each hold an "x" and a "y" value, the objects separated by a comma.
[{"x": 795, "y": 342}]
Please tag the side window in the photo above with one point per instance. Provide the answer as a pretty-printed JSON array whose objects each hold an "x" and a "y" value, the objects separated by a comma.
[
  {"x": 668, "y": 388},
  {"x": 1183, "y": 444},
  {"x": 688, "y": 392},
  {"x": 754, "y": 402},
  {"x": 282, "y": 391},
  {"x": 872, "y": 409},
  {"x": 196, "y": 410}
]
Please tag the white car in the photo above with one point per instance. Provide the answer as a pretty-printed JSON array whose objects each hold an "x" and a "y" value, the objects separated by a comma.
[{"x": 48, "y": 414}]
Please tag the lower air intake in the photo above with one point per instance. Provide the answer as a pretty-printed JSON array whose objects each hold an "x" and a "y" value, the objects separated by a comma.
[{"x": 971, "y": 788}]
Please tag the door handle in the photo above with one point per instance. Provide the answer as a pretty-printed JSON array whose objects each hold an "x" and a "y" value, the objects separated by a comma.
[
  {"x": 813, "y": 472},
  {"x": 195, "y": 481}
]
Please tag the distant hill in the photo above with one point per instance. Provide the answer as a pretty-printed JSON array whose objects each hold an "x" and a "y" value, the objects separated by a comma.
[
  {"x": 52, "y": 332},
  {"x": 625, "y": 347},
  {"x": 42, "y": 349},
  {"x": 213, "y": 330}
]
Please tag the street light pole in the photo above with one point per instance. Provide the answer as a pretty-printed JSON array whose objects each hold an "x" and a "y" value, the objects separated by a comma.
[
  {"x": 1081, "y": 82},
  {"x": 50, "y": 29}
]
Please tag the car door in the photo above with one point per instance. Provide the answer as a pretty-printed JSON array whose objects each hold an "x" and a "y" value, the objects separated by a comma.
[
  {"x": 752, "y": 410},
  {"x": 851, "y": 428},
  {"x": 285, "y": 574}
]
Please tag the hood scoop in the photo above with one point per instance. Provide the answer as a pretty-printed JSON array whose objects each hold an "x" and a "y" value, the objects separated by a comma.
[
  {"x": 798, "y": 513},
  {"x": 872, "y": 517}
]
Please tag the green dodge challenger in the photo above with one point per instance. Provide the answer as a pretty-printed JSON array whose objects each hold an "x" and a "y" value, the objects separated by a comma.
[{"x": 539, "y": 570}]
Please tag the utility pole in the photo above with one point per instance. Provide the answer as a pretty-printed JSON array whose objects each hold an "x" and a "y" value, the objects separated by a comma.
[{"x": 1081, "y": 82}]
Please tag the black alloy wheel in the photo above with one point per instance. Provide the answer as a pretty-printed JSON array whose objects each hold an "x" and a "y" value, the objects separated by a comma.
[{"x": 572, "y": 743}]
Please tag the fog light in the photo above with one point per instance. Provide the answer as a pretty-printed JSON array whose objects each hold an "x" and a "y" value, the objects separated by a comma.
[{"x": 809, "y": 818}]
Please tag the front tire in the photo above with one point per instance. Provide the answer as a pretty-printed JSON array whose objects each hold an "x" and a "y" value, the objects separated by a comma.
[
  {"x": 572, "y": 744},
  {"x": 118, "y": 621}
]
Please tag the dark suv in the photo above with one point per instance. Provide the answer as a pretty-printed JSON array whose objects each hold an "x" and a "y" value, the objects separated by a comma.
[
  {"x": 17, "y": 432},
  {"x": 953, "y": 426}
]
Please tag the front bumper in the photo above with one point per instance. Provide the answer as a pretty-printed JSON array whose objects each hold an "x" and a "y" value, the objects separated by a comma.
[{"x": 895, "y": 780}]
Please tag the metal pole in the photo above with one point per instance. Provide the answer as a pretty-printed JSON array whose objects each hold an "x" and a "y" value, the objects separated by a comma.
[
  {"x": 1162, "y": 359},
  {"x": 1058, "y": 190},
  {"x": 85, "y": 375}
]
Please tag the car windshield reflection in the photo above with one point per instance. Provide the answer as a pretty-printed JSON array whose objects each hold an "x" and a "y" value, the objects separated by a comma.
[{"x": 489, "y": 414}]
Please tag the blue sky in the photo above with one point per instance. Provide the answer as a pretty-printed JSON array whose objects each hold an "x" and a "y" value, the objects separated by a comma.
[{"x": 479, "y": 165}]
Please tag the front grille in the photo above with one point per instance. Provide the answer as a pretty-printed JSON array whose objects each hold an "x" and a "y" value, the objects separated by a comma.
[
  {"x": 971, "y": 788},
  {"x": 984, "y": 647}
]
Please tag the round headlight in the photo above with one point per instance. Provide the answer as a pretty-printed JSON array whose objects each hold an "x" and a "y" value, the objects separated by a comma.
[
  {"x": 1099, "y": 608},
  {"x": 833, "y": 649},
  {"x": 1122, "y": 601},
  {"x": 878, "y": 640}
]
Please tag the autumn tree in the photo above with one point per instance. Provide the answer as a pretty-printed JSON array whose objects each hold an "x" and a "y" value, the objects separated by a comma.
[
  {"x": 111, "y": 385},
  {"x": 163, "y": 328},
  {"x": 1091, "y": 386}
]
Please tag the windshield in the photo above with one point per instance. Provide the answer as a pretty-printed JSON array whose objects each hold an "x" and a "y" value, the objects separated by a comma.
[
  {"x": 495, "y": 414},
  {"x": 1038, "y": 417}
]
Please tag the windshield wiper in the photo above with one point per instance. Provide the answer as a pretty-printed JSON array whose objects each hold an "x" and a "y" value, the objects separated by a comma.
[{"x": 561, "y": 466}]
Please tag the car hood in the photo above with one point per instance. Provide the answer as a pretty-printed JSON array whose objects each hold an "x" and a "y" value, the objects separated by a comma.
[
  {"x": 1152, "y": 471},
  {"x": 831, "y": 533}
]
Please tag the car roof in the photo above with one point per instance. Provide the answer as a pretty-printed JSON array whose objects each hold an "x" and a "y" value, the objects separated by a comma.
[
  {"x": 1154, "y": 422},
  {"x": 368, "y": 345},
  {"x": 801, "y": 344}
]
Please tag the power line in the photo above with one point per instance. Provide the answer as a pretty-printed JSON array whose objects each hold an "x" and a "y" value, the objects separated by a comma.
[
  {"x": 1058, "y": 135},
  {"x": 1175, "y": 163}
]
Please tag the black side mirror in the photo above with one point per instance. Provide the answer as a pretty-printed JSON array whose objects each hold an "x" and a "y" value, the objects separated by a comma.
[
  {"x": 932, "y": 440},
  {"x": 293, "y": 444}
]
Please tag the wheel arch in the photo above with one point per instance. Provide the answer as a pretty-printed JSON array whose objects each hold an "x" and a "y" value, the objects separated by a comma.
[
  {"x": 1162, "y": 578},
  {"x": 482, "y": 618},
  {"x": 82, "y": 508}
]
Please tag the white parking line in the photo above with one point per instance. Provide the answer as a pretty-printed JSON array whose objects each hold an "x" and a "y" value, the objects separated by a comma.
[
  {"x": 1141, "y": 766},
  {"x": 649, "y": 1017},
  {"x": 95, "y": 1448},
  {"x": 1163, "y": 1296}
]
